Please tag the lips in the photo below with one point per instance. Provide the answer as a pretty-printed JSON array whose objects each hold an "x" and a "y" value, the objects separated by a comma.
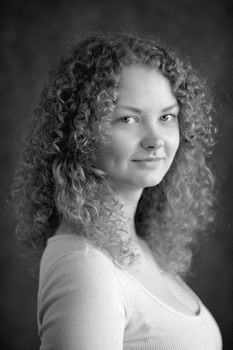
[
  {"x": 148, "y": 159},
  {"x": 148, "y": 163}
]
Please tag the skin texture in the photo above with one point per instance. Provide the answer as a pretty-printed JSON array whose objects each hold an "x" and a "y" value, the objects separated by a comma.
[{"x": 144, "y": 124}]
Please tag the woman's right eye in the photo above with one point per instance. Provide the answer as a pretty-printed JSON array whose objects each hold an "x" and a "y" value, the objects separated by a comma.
[{"x": 128, "y": 119}]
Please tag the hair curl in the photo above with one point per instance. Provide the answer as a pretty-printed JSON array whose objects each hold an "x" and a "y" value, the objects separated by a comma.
[{"x": 56, "y": 179}]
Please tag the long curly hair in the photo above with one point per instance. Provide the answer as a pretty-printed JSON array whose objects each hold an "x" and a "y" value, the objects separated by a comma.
[{"x": 56, "y": 179}]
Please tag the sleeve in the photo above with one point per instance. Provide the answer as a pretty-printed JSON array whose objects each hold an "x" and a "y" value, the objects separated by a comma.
[{"x": 81, "y": 305}]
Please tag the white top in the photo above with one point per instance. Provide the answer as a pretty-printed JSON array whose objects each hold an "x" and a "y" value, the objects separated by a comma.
[{"x": 85, "y": 302}]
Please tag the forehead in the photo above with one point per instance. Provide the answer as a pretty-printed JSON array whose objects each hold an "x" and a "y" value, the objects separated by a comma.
[{"x": 145, "y": 87}]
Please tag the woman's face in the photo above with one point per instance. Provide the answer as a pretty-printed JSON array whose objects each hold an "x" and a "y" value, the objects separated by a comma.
[{"x": 144, "y": 130}]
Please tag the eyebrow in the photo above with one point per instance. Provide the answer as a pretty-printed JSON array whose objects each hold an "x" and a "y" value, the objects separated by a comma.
[
  {"x": 137, "y": 110},
  {"x": 166, "y": 109}
]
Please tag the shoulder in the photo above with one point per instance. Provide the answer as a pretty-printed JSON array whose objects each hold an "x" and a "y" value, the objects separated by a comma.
[
  {"x": 65, "y": 250},
  {"x": 79, "y": 290},
  {"x": 73, "y": 259}
]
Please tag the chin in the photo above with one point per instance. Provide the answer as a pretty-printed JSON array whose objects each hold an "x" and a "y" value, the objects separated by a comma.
[
  {"x": 149, "y": 183},
  {"x": 149, "y": 178},
  {"x": 155, "y": 183},
  {"x": 152, "y": 180}
]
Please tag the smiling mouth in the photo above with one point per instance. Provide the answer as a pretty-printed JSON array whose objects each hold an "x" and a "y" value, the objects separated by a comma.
[
  {"x": 148, "y": 160},
  {"x": 150, "y": 163}
]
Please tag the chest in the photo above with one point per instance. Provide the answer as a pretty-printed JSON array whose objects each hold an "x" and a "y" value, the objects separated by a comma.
[{"x": 166, "y": 289}]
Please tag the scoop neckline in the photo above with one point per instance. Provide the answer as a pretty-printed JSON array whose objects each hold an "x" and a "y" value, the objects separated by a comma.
[
  {"x": 139, "y": 284},
  {"x": 180, "y": 282},
  {"x": 62, "y": 236},
  {"x": 166, "y": 306}
]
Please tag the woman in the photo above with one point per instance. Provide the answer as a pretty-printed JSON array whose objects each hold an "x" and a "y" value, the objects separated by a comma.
[{"x": 112, "y": 188}]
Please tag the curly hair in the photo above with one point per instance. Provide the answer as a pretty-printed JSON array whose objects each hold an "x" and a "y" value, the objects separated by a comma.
[{"x": 56, "y": 179}]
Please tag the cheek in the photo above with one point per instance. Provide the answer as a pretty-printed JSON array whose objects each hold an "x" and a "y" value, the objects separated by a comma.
[
  {"x": 121, "y": 147},
  {"x": 176, "y": 138},
  {"x": 112, "y": 155},
  {"x": 177, "y": 142},
  {"x": 174, "y": 142}
]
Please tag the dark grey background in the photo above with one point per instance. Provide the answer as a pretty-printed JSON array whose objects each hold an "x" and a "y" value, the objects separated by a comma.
[{"x": 33, "y": 34}]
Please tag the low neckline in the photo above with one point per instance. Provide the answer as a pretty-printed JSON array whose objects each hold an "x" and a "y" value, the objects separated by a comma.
[
  {"x": 164, "y": 304},
  {"x": 148, "y": 257},
  {"x": 142, "y": 287}
]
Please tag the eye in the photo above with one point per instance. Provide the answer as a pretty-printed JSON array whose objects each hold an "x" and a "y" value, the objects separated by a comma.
[
  {"x": 128, "y": 119},
  {"x": 168, "y": 117}
]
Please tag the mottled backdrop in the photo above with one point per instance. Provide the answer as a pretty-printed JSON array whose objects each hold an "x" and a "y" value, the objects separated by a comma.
[{"x": 33, "y": 34}]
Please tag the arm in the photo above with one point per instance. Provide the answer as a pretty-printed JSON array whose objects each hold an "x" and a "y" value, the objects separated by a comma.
[{"x": 81, "y": 305}]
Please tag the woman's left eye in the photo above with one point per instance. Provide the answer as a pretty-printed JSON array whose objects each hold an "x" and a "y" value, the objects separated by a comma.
[{"x": 167, "y": 117}]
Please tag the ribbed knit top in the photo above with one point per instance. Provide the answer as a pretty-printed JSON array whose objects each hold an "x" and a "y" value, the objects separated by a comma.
[{"x": 85, "y": 302}]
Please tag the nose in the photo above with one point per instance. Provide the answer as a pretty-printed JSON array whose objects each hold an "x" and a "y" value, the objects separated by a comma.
[{"x": 151, "y": 144}]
